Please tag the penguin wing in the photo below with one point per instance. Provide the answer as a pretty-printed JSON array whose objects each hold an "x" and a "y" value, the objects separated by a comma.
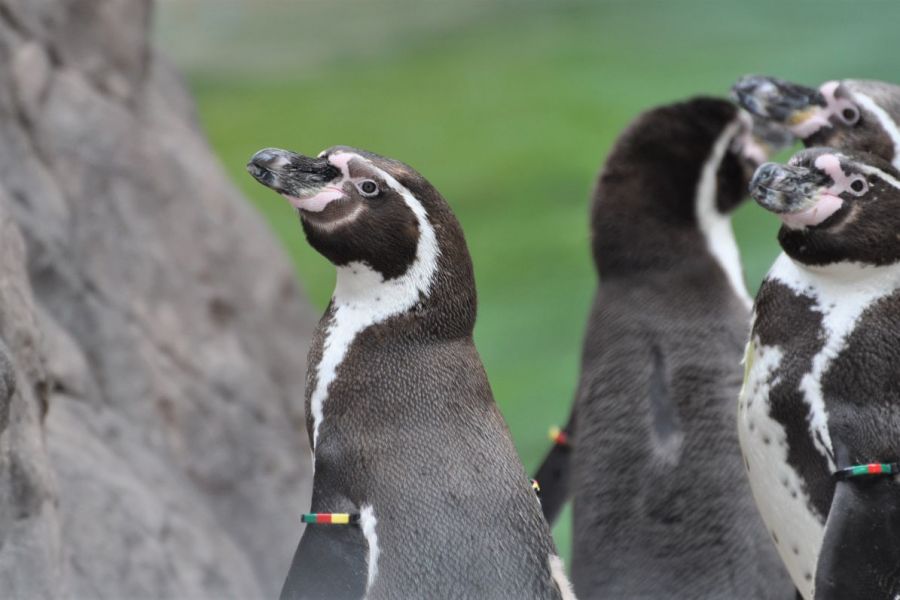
[
  {"x": 330, "y": 562},
  {"x": 860, "y": 555},
  {"x": 553, "y": 476}
]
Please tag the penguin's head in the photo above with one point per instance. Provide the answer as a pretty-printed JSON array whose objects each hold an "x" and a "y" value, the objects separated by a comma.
[
  {"x": 674, "y": 170},
  {"x": 835, "y": 206},
  {"x": 851, "y": 115},
  {"x": 354, "y": 206},
  {"x": 682, "y": 143},
  {"x": 392, "y": 236}
]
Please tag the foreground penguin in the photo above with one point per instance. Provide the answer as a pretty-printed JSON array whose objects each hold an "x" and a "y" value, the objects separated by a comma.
[
  {"x": 849, "y": 114},
  {"x": 661, "y": 507},
  {"x": 418, "y": 491},
  {"x": 819, "y": 413}
]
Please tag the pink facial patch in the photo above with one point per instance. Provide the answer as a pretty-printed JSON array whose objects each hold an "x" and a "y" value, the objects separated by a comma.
[
  {"x": 342, "y": 161},
  {"x": 820, "y": 115},
  {"x": 330, "y": 193},
  {"x": 831, "y": 164},
  {"x": 318, "y": 202},
  {"x": 824, "y": 207}
]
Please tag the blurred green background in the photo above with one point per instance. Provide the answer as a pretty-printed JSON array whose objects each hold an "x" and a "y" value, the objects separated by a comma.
[{"x": 508, "y": 108}]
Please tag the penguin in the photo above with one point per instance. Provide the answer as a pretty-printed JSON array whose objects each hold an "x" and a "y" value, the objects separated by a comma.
[
  {"x": 819, "y": 411},
  {"x": 661, "y": 508},
  {"x": 848, "y": 114},
  {"x": 759, "y": 138},
  {"x": 416, "y": 476}
]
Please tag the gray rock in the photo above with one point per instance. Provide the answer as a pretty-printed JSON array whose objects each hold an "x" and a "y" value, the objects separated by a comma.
[{"x": 152, "y": 336}]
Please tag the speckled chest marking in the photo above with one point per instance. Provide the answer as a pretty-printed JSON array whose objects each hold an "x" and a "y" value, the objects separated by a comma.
[
  {"x": 841, "y": 293},
  {"x": 715, "y": 226},
  {"x": 777, "y": 488},
  {"x": 362, "y": 297}
]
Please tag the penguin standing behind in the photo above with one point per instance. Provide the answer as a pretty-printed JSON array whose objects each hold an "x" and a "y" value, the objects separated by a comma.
[
  {"x": 819, "y": 413},
  {"x": 661, "y": 508},
  {"x": 409, "y": 448},
  {"x": 849, "y": 114}
]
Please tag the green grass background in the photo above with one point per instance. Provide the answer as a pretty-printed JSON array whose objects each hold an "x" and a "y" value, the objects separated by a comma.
[{"x": 508, "y": 108}]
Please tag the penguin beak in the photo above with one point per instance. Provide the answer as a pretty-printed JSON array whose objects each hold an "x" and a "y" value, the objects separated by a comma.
[
  {"x": 780, "y": 101},
  {"x": 797, "y": 194},
  {"x": 302, "y": 180}
]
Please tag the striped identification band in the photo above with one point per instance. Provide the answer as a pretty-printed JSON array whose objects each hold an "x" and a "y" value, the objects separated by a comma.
[
  {"x": 869, "y": 469},
  {"x": 330, "y": 518},
  {"x": 558, "y": 436}
]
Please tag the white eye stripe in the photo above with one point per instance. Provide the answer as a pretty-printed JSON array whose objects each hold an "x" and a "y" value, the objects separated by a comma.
[
  {"x": 885, "y": 120},
  {"x": 870, "y": 170},
  {"x": 716, "y": 227}
]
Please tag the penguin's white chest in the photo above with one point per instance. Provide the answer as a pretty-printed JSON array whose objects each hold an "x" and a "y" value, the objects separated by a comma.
[
  {"x": 841, "y": 293},
  {"x": 777, "y": 488}
]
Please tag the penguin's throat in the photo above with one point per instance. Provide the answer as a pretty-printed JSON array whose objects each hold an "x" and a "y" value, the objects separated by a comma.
[
  {"x": 359, "y": 284},
  {"x": 825, "y": 206}
]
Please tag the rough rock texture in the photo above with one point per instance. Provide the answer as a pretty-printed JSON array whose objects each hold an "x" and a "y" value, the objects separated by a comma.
[{"x": 152, "y": 337}]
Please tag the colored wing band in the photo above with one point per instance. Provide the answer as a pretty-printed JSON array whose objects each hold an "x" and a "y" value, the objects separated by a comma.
[
  {"x": 865, "y": 470},
  {"x": 560, "y": 437},
  {"x": 330, "y": 518}
]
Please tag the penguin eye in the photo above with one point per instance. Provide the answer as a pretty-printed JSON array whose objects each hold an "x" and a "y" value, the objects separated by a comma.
[
  {"x": 367, "y": 187},
  {"x": 850, "y": 115},
  {"x": 859, "y": 186}
]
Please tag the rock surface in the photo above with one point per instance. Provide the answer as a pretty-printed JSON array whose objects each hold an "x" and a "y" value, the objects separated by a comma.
[{"x": 152, "y": 336}]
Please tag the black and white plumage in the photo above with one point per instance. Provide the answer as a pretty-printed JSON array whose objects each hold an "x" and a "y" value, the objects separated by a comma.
[
  {"x": 661, "y": 508},
  {"x": 400, "y": 415},
  {"x": 822, "y": 386}
]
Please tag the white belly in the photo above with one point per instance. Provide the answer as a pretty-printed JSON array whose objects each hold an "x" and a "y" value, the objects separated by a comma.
[{"x": 776, "y": 487}]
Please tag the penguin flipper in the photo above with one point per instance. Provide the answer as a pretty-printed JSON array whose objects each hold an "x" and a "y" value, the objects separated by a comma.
[
  {"x": 553, "y": 477},
  {"x": 860, "y": 556},
  {"x": 329, "y": 564}
]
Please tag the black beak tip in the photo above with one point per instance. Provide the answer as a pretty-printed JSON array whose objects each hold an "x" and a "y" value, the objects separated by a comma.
[
  {"x": 263, "y": 163},
  {"x": 259, "y": 173},
  {"x": 763, "y": 175},
  {"x": 746, "y": 92},
  {"x": 254, "y": 169}
]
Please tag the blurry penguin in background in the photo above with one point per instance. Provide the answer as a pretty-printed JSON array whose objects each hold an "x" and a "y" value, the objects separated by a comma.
[
  {"x": 661, "y": 506},
  {"x": 850, "y": 114}
]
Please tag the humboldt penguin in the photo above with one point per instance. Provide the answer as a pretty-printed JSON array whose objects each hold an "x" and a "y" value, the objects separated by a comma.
[
  {"x": 661, "y": 508},
  {"x": 418, "y": 491},
  {"x": 849, "y": 115},
  {"x": 819, "y": 412}
]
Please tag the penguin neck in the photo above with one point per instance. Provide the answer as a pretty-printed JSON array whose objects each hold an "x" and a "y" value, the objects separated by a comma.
[
  {"x": 845, "y": 279},
  {"x": 435, "y": 297},
  {"x": 715, "y": 226},
  {"x": 630, "y": 244},
  {"x": 669, "y": 222}
]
